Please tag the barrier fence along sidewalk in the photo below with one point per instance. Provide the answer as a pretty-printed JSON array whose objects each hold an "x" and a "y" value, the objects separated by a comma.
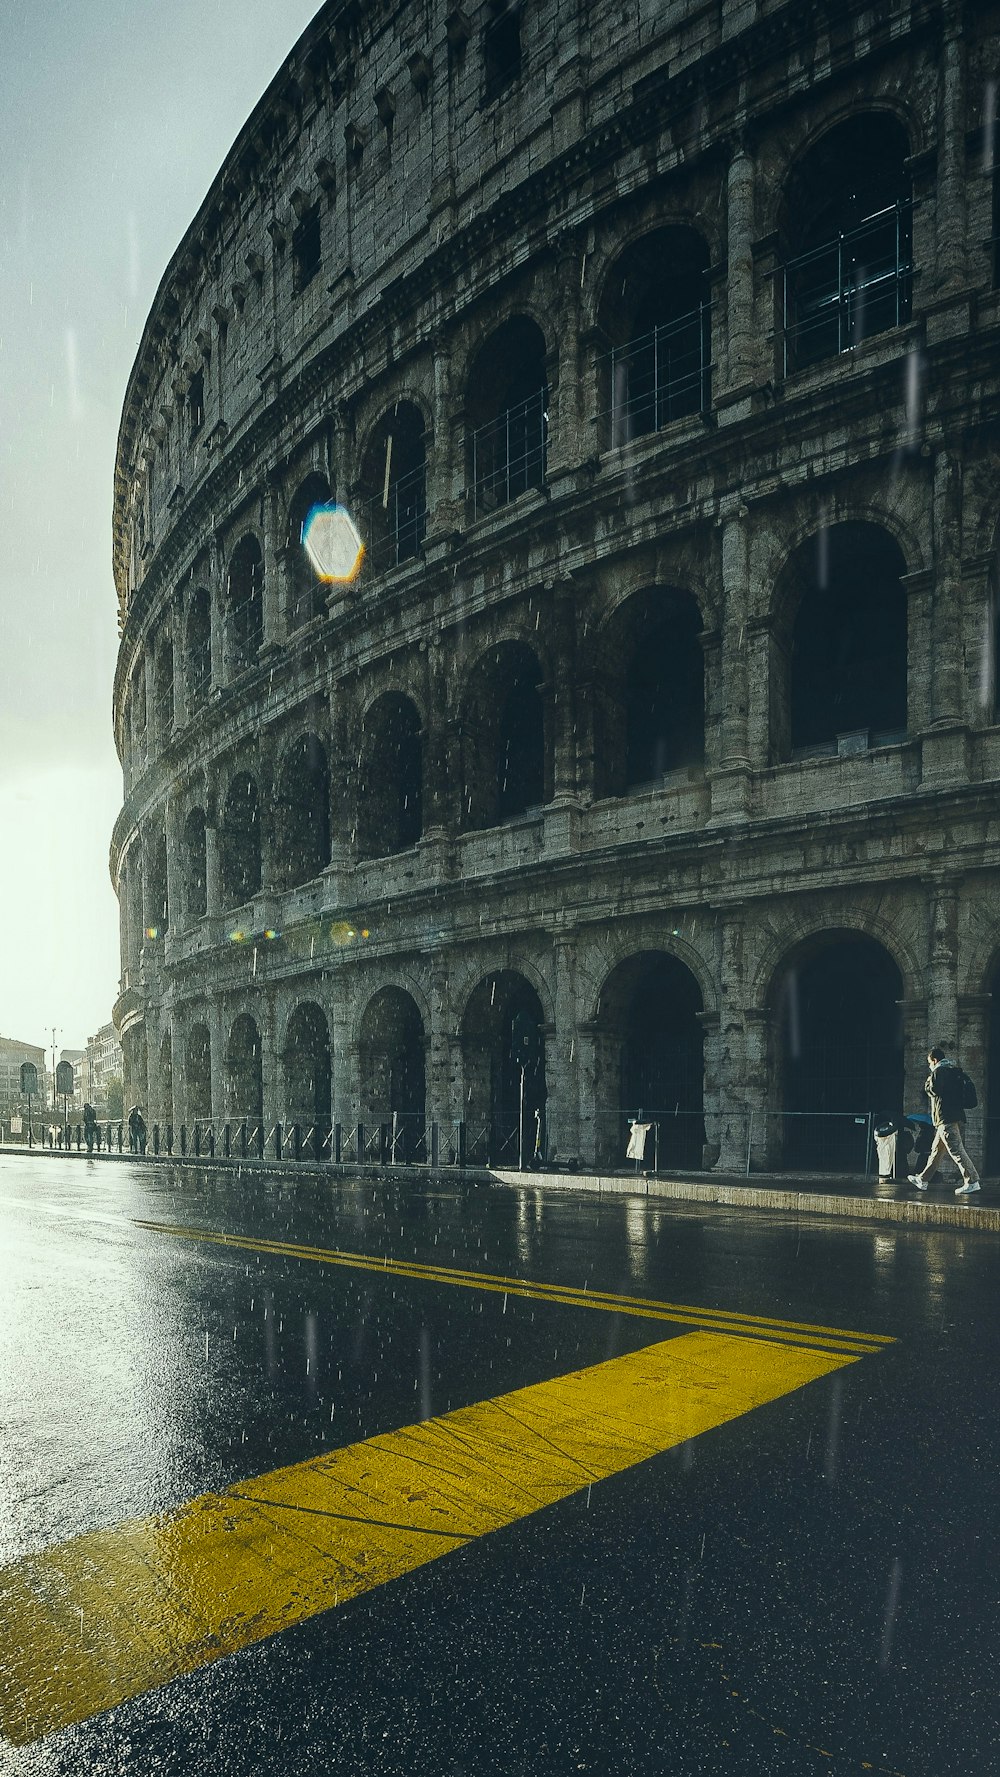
[{"x": 735, "y": 1140}]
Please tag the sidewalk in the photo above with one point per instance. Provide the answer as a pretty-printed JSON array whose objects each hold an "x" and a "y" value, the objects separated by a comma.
[{"x": 818, "y": 1193}]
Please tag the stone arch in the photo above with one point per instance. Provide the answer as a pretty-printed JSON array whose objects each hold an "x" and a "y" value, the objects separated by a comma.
[
  {"x": 244, "y": 604},
  {"x": 393, "y": 485},
  {"x": 836, "y": 1031},
  {"x": 195, "y": 865},
  {"x": 306, "y": 593},
  {"x": 308, "y": 1073},
  {"x": 198, "y": 1073},
  {"x": 506, "y": 737},
  {"x": 390, "y": 780},
  {"x": 844, "y": 225},
  {"x": 302, "y": 812},
  {"x": 163, "y": 688},
  {"x": 240, "y": 841},
  {"x": 841, "y": 625},
  {"x": 492, "y": 1077},
  {"x": 649, "y": 690},
  {"x": 654, "y": 314},
  {"x": 506, "y": 409},
  {"x": 392, "y": 1047},
  {"x": 244, "y": 1073},
  {"x": 198, "y": 648},
  {"x": 649, "y": 1057}
]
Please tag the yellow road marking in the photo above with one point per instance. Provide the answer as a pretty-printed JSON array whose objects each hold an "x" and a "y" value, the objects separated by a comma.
[
  {"x": 645, "y": 1308},
  {"x": 116, "y": 1612}
]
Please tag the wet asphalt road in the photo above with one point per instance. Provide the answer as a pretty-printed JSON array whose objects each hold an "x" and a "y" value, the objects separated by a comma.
[{"x": 811, "y": 1587}]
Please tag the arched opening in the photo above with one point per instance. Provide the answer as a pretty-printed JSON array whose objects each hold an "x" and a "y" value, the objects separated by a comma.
[
  {"x": 198, "y": 1072},
  {"x": 390, "y": 790},
  {"x": 392, "y": 1047},
  {"x": 502, "y": 1010},
  {"x": 847, "y": 239},
  {"x": 651, "y": 692},
  {"x": 157, "y": 903},
  {"x": 394, "y": 487},
  {"x": 302, "y": 813},
  {"x": 840, "y": 1050},
  {"x": 244, "y": 605},
  {"x": 244, "y": 1076},
  {"x": 137, "y": 706},
  {"x": 506, "y": 404},
  {"x": 649, "y": 1061},
  {"x": 306, "y": 594},
  {"x": 199, "y": 648},
  {"x": 507, "y": 768},
  {"x": 164, "y": 690},
  {"x": 239, "y": 841},
  {"x": 195, "y": 865},
  {"x": 308, "y": 1075},
  {"x": 656, "y": 316},
  {"x": 848, "y": 643}
]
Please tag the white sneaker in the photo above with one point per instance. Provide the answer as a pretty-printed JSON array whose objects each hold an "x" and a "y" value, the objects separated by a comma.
[
  {"x": 967, "y": 1190},
  {"x": 912, "y": 1179}
]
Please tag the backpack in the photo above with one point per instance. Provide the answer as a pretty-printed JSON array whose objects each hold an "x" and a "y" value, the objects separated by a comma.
[{"x": 969, "y": 1096}]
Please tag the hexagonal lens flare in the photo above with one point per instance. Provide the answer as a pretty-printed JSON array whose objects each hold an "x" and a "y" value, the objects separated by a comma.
[{"x": 332, "y": 543}]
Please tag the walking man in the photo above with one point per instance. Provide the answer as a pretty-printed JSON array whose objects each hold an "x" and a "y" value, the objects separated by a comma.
[{"x": 951, "y": 1093}]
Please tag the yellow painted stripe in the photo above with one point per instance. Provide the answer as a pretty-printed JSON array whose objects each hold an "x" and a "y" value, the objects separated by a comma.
[
  {"x": 643, "y": 1307},
  {"x": 115, "y": 1612}
]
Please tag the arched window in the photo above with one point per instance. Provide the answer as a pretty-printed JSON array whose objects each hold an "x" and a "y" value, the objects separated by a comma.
[
  {"x": 392, "y": 1063},
  {"x": 195, "y": 892},
  {"x": 394, "y": 487},
  {"x": 164, "y": 690},
  {"x": 506, "y": 752},
  {"x": 244, "y": 1074},
  {"x": 656, "y": 316},
  {"x": 244, "y": 605},
  {"x": 157, "y": 905},
  {"x": 848, "y": 643},
  {"x": 390, "y": 798},
  {"x": 308, "y": 1074},
  {"x": 500, "y": 1118},
  {"x": 199, "y": 648},
  {"x": 240, "y": 841},
  {"x": 302, "y": 813},
  {"x": 507, "y": 409},
  {"x": 307, "y": 594},
  {"x": 840, "y": 1049},
  {"x": 198, "y": 1072},
  {"x": 649, "y": 1059},
  {"x": 651, "y": 697},
  {"x": 848, "y": 269}
]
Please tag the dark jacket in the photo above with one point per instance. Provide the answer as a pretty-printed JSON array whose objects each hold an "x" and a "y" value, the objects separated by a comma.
[{"x": 944, "y": 1089}]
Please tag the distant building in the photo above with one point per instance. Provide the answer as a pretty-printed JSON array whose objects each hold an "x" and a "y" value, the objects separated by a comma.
[
  {"x": 12, "y": 1054},
  {"x": 77, "y": 1059},
  {"x": 102, "y": 1062}
]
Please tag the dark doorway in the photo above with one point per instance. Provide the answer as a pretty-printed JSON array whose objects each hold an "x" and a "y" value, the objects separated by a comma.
[
  {"x": 848, "y": 654},
  {"x": 650, "y": 1051},
  {"x": 493, "y": 1075},
  {"x": 841, "y": 1043},
  {"x": 302, "y": 813},
  {"x": 308, "y": 1076},
  {"x": 390, "y": 800}
]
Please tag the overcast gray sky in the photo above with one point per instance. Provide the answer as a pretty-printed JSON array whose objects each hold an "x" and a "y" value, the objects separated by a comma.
[{"x": 114, "y": 117}]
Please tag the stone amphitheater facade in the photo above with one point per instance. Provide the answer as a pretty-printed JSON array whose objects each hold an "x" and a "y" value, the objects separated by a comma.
[{"x": 653, "y": 347}]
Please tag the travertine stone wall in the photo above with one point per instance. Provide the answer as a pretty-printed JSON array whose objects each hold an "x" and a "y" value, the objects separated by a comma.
[{"x": 443, "y": 214}]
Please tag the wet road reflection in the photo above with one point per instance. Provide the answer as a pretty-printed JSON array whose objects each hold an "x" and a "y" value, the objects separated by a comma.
[{"x": 805, "y": 1580}]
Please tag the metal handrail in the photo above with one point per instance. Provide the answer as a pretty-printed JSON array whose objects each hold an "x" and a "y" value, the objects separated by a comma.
[
  {"x": 669, "y": 388},
  {"x": 509, "y": 454},
  {"x": 844, "y": 297}
]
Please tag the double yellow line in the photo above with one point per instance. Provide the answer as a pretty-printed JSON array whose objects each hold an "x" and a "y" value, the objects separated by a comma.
[{"x": 717, "y": 1320}]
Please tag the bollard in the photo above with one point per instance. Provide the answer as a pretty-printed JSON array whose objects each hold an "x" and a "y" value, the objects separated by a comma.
[
  {"x": 227, "y": 1145},
  {"x": 197, "y": 1141},
  {"x": 211, "y": 1141},
  {"x": 296, "y": 1141},
  {"x": 461, "y": 1144},
  {"x": 277, "y": 1141},
  {"x": 156, "y": 1138},
  {"x": 121, "y": 1137},
  {"x": 184, "y": 1141},
  {"x": 243, "y": 1139},
  {"x": 435, "y": 1145},
  {"x": 170, "y": 1138},
  {"x": 338, "y": 1143}
]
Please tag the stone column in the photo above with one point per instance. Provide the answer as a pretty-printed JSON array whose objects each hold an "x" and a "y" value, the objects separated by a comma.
[
  {"x": 585, "y": 1058},
  {"x": 731, "y": 781},
  {"x": 951, "y": 182},
  {"x": 271, "y": 1095},
  {"x": 218, "y": 1030},
  {"x": 265, "y": 773},
  {"x": 764, "y": 1127},
  {"x": 734, "y": 1049},
  {"x": 176, "y": 910},
  {"x": 180, "y": 678},
  {"x": 344, "y": 1056},
  {"x": 563, "y": 1109},
  {"x": 567, "y": 445},
  {"x": 439, "y": 800},
  {"x": 124, "y": 924},
  {"x": 946, "y": 664},
  {"x": 274, "y": 601},
  {"x": 942, "y": 970},
  {"x": 443, "y": 1060},
  {"x": 742, "y": 343},
  {"x": 562, "y": 811},
  {"x": 218, "y": 609}
]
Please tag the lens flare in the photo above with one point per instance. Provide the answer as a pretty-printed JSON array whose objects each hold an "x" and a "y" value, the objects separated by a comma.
[{"x": 333, "y": 544}]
